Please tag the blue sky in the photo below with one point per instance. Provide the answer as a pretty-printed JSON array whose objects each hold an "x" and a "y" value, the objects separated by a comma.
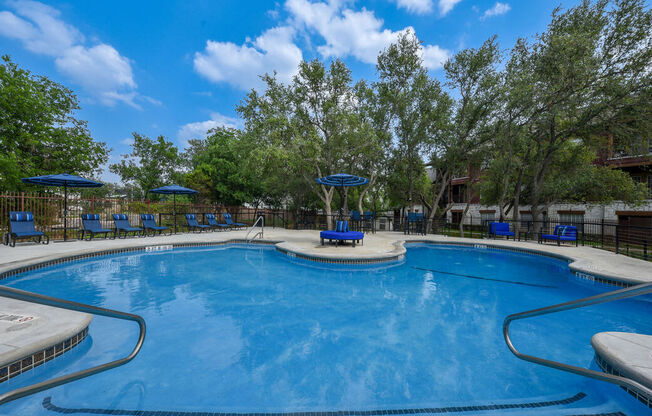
[{"x": 177, "y": 68}]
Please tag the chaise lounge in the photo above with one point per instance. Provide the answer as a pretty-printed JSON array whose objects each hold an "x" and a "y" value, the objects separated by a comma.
[
  {"x": 21, "y": 226},
  {"x": 91, "y": 225},
  {"x": 149, "y": 224},
  {"x": 561, "y": 233},
  {"x": 342, "y": 233},
  {"x": 500, "y": 228},
  {"x": 229, "y": 221},
  {"x": 212, "y": 221},
  {"x": 122, "y": 225},
  {"x": 193, "y": 225}
]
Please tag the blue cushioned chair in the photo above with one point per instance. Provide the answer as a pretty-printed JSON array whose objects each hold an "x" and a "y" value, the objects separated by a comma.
[
  {"x": 149, "y": 224},
  {"x": 21, "y": 226},
  {"x": 193, "y": 225},
  {"x": 229, "y": 221},
  {"x": 212, "y": 221},
  {"x": 561, "y": 233},
  {"x": 122, "y": 225},
  {"x": 342, "y": 233},
  {"x": 500, "y": 228},
  {"x": 91, "y": 225}
]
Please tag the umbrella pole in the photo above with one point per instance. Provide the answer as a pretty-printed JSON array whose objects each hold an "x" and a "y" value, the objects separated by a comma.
[
  {"x": 174, "y": 212},
  {"x": 65, "y": 212}
]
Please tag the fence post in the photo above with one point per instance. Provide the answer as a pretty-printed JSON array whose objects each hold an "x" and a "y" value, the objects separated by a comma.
[
  {"x": 602, "y": 233},
  {"x": 617, "y": 232},
  {"x": 644, "y": 249},
  {"x": 22, "y": 201}
]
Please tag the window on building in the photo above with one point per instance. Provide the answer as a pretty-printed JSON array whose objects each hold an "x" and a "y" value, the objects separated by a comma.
[
  {"x": 571, "y": 218},
  {"x": 637, "y": 178},
  {"x": 487, "y": 217}
]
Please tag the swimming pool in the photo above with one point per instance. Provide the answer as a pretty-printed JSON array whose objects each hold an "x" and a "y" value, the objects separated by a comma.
[{"x": 251, "y": 330}]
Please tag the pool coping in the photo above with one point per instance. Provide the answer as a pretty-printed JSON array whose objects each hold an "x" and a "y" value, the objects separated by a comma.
[{"x": 578, "y": 267}]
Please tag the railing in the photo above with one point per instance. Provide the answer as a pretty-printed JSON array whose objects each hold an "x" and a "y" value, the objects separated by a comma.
[
  {"x": 580, "y": 303},
  {"x": 73, "y": 306},
  {"x": 260, "y": 220}
]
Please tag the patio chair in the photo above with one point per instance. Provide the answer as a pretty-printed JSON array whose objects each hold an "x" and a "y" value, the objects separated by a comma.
[
  {"x": 500, "y": 228},
  {"x": 561, "y": 233},
  {"x": 122, "y": 225},
  {"x": 212, "y": 221},
  {"x": 193, "y": 225},
  {"x": 342, "y": 233},
  {"x": 21, "y": 226},
  {"x": 149, "y": 224},
  {"x": 230, "y": 223},
  {"x": 91, "y": 225}
]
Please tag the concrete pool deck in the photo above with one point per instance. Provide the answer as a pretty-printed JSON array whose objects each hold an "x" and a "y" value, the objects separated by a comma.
[{"x": 589, "y": 262}]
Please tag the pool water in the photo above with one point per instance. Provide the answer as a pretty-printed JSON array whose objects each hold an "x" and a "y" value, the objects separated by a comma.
[{"x": 248, "y": 329}]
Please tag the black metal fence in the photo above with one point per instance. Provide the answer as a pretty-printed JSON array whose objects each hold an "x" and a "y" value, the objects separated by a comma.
[{"x": 630, "y": 240}]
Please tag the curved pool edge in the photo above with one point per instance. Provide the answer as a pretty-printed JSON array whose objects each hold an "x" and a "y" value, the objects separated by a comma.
[{"x": 584, "y": 262}]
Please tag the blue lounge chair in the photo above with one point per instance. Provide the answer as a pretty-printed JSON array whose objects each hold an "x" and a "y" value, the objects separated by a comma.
[
  {"x": 229, "y": 221},
  {"x": 500, "y": 228},
  {"x": 561, "y": 233},
  {"x": 342, "y": 233},
  {"x": 91, "y": 225},
  {"x": 122, "y": 225},
  {"x": 355, "y": 216},
  {"x": 212, "y": 221},
  {"x": 21, "y": 226},
  {"x": 149, "y": 224},
  {"x": 193, "y": 225}
]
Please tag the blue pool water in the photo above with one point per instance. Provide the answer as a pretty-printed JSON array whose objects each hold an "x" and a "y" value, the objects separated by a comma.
[{"x": 248, "y": 329}]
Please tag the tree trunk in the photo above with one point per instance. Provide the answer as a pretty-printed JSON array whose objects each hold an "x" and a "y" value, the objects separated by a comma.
[
  {"x": 517, "y": 202},
  {"x": 435, "y": 201},
  {"x": 364, "y": 191}
]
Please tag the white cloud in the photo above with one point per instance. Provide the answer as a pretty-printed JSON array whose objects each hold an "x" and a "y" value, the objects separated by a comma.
[
  {"x": 98, "y": 69},
  {"x": 434, "y": 56},
  {"x": 498, "y": 9},
  {"x": 347, "y": 32},
  {"x": 242, "y": 65},
  {"x": 446, "y": 6},
  {"x": 198, "y": 129},
  {"x": 415, "y": 6}
]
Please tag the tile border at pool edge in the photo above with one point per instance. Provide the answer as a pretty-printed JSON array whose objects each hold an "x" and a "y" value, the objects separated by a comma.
[
  {"x": 582, "y": 274},
  {"x": 42, "y": 356},
  {"x": 610, "y": 369},
  {"x": 396, "y": 255}
]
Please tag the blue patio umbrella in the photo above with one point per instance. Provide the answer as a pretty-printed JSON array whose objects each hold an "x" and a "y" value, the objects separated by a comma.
[
  {"x": 174, "y": 190},
  {"x": 340, "y": 181},
  {"x": 67, "y": 181}
]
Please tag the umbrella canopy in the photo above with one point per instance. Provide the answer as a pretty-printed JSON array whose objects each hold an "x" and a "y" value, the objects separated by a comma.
[
  {"x": 341, "y": 180},
  {"x": 63, "y": 179},
  {"x": 174, "y": 190},
  {"x": 67, "y": 181}
]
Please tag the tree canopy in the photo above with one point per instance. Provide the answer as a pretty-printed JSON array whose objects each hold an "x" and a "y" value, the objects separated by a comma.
[{"x": 39, "y": 133}]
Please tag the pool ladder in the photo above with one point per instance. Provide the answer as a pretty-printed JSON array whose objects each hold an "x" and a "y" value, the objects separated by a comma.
[
  {"x": 260, "y": 220},
  {"x": 73, "y": 306},
  {"x": 624, "y": 382}
]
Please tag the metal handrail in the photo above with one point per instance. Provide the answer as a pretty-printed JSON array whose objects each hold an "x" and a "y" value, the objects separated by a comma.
[
  {"x": 262, "y": 229},
  {"x": 73, "y": 306},
  {"x": 629, "y": 292}
]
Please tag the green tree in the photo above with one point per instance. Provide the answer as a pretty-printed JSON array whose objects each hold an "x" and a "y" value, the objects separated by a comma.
[
  {"x": 416, "y": 106},
  {"x": 151, "y": 163},
  {"x": 39, "y": 133},
  {"x": 316, "y": 123},
  {"x": 223, "y": 168}
]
